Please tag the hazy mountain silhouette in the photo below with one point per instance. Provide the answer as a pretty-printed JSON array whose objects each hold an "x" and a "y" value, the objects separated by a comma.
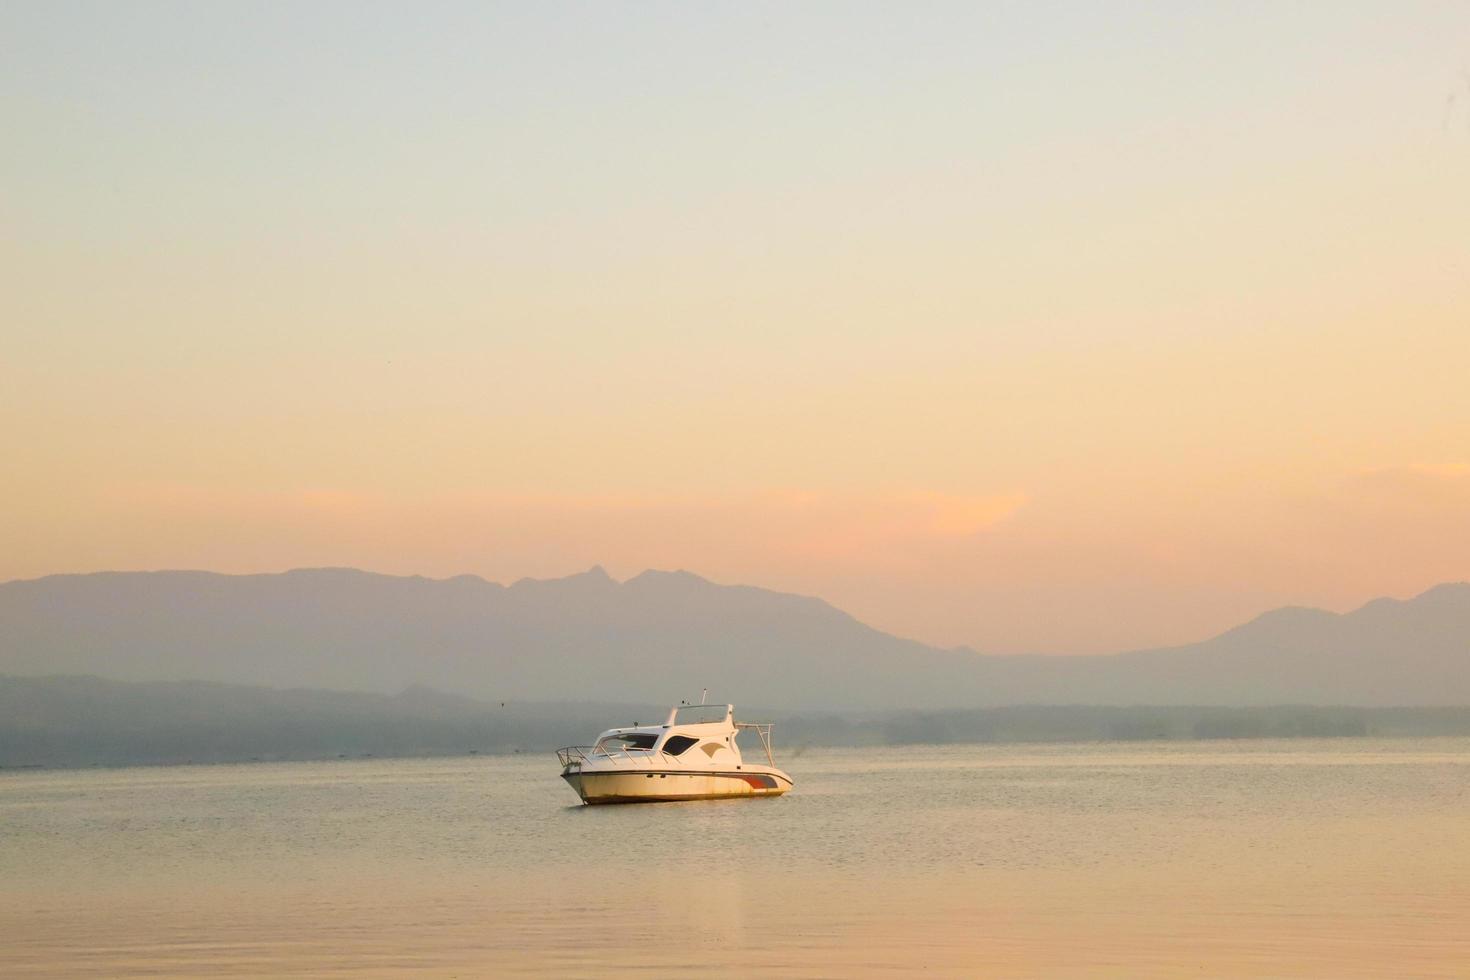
[{"x": 662, "y": 636}]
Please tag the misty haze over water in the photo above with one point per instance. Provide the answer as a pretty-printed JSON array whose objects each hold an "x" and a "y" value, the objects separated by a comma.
[
  {"x": 181, "y": 658},
  {"x": 88, "y": 721}
]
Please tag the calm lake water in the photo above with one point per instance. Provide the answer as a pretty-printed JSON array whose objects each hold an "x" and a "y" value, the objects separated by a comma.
[{"x": 1328, "y": 859}]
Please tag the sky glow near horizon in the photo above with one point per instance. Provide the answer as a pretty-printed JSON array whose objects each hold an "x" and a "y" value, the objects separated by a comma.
[{"x": 1033, "y": 327}]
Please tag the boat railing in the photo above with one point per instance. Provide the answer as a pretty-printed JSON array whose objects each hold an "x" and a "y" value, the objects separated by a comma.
[
  {"x": 763, "y": 729},
  {"x": 574, "y": 755}
]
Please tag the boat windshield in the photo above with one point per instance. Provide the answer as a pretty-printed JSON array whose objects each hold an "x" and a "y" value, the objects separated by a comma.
[
  {"x": 629, "y": 742},
  {"x": 699, "y": 714}
]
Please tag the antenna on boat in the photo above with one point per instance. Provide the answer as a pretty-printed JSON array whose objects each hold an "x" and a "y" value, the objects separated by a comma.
[{"x": 703, "y": 695}]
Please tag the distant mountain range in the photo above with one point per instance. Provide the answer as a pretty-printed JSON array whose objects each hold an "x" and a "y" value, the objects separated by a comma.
[{"x": 662, "y": 636}]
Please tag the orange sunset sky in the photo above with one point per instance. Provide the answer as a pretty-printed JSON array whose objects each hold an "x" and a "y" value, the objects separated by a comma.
[{"x": 1035, "y": 327}]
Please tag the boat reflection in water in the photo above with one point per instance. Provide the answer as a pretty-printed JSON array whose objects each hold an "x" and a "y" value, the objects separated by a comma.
[{"x": 691, "y": 756}]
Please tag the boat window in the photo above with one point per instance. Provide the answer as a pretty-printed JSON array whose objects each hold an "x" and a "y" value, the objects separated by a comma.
[
  {"x": 678, "y": 744},
  {"x": 710, "y": 748},
  {"x": 632, "y": 741},
  {"x": 701, "y": 714}
]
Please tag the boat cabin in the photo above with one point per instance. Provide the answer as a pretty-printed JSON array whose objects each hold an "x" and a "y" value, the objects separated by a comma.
[{"x": 709, "y": 730}]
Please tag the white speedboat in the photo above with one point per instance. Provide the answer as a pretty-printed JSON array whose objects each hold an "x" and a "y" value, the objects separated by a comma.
[{"x": 692, "y": 756}]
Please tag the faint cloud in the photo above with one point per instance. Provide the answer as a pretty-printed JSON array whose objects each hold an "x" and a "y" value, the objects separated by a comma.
[
  {"x": 875, "y": 528},
  {"x": 961, "y": 516},
  {"x": 1447, "y": 471}
]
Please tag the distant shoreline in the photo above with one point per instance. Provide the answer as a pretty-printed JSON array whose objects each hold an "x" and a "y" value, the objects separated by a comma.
[
  {"x": 89, "y": 722},
  {"x": 429, "y": 756}
]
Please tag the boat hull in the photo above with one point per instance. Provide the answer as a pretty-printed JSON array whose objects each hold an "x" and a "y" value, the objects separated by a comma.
[{"x": 670, "y": 787}]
